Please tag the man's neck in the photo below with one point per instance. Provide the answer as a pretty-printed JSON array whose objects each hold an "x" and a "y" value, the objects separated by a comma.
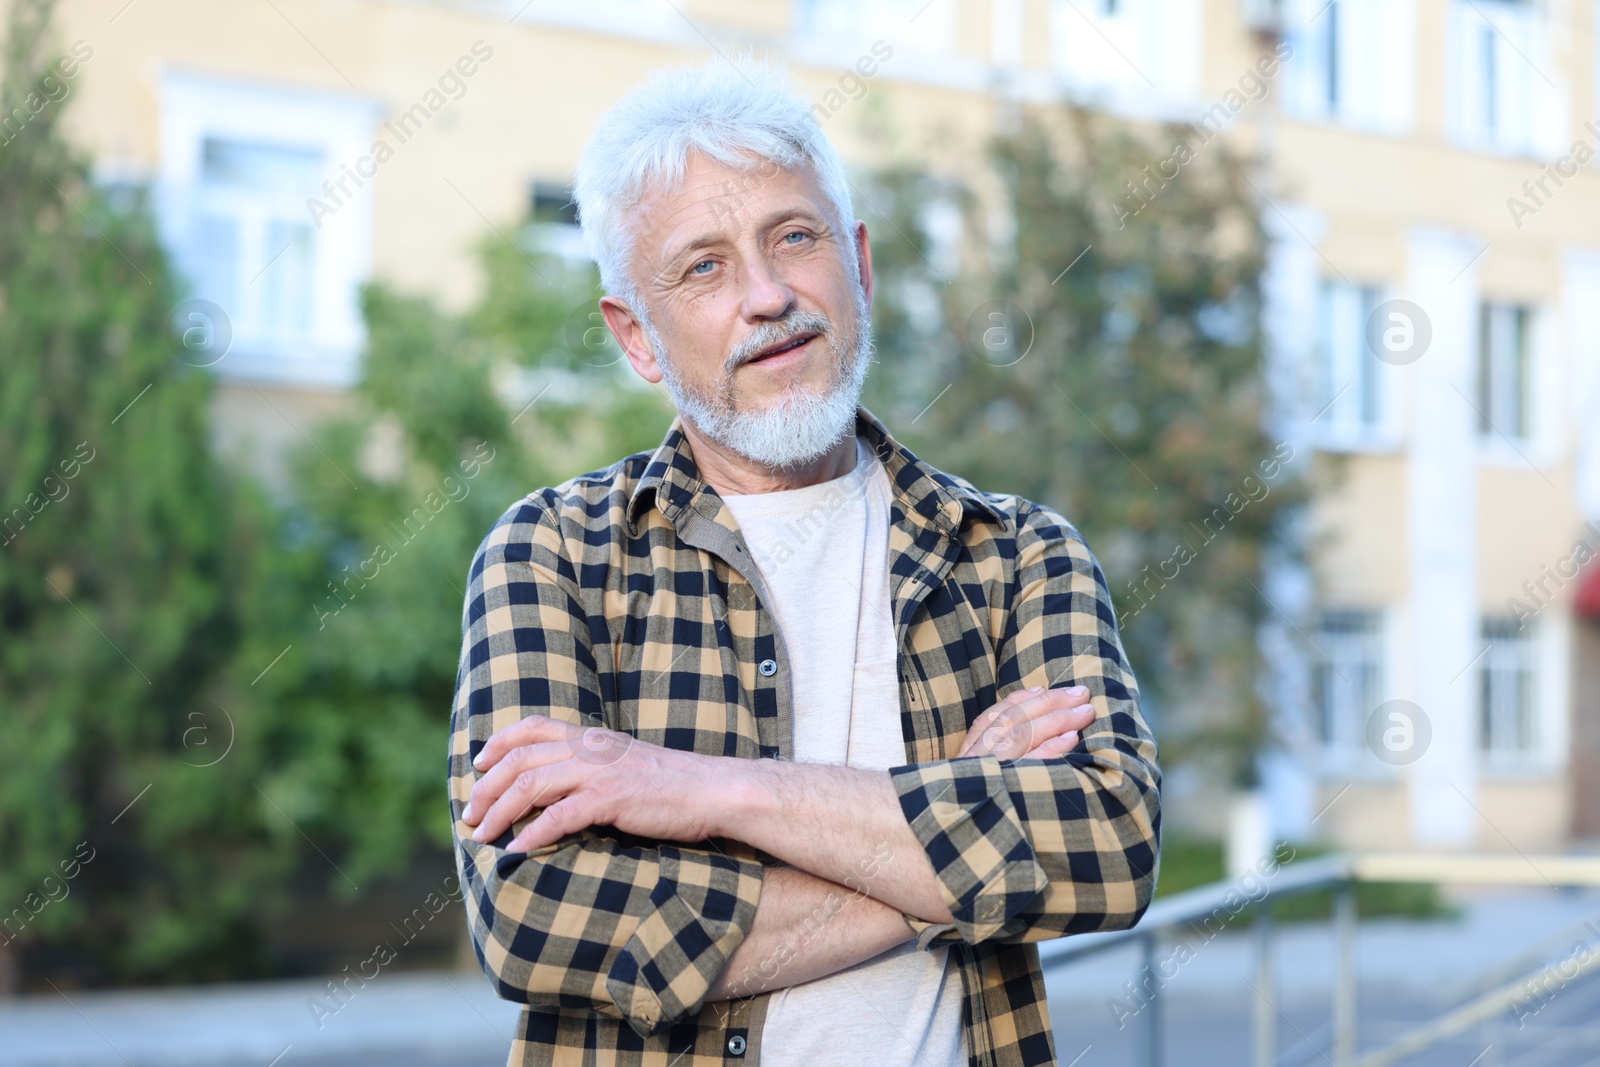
[{"x": 730, "y": 473}]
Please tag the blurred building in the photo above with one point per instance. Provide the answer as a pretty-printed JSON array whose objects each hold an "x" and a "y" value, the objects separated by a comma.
[{"x": 1434, "y": 287}]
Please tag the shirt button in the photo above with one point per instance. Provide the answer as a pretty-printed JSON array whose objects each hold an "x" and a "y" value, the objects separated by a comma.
[
  {"x": 736, "y": 1045},
  {"x": 768, "y": 667}
]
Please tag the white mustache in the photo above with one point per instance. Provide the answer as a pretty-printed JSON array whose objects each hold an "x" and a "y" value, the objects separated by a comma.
[{"x": 772, "y": 333}]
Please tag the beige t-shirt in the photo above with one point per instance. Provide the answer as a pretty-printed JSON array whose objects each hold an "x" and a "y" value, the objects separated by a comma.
[{"x": 823, "y": 553}]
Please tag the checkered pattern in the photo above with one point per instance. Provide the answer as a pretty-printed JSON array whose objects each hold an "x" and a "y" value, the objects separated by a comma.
[{"x": 627, "y": 598}]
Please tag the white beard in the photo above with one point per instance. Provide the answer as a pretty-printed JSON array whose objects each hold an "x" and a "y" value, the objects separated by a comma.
[{"x": 800, "y": 425}]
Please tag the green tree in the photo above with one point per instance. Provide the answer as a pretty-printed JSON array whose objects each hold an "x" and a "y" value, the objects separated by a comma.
[
  {"x": 220, "y": 693},
  {"x": 384, "y": 515},
  {"x": 118, "y": 610},
  {"x": 1100, "y": 351}
]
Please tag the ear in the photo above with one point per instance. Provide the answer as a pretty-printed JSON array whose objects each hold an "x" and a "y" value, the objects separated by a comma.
[
  {"x": 864, "y": 257},
  {"x": 630, "y": 335}
]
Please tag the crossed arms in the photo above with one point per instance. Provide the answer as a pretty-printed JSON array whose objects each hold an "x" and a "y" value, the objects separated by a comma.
[
  {"x": 823, "y": 821},
  {"x": 590, "y": 857}
]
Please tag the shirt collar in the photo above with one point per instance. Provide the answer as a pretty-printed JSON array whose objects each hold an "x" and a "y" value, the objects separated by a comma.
[{"x": 672, "y": 482}]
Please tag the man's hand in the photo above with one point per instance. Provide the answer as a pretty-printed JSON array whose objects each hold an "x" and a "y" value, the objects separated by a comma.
[
  {"x": 1031, "y": 723},
  {"x": 586, "y": 776}
]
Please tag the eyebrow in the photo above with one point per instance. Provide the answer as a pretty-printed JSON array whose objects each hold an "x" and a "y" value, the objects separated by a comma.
[{"x": 771, "y": 220}]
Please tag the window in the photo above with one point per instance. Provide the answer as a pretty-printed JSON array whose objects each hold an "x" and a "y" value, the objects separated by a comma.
[
  {"x": 1128, "y": 49},
  {"x": 1347, "y": 682},
  {"x": 940, "y": 220},
  {"x": 659, "y": 20},
  {"x": 1349, "y": 393},
  {"x": 1315, "y": 81},
  {"x": 1500, "y": 93},
  {"x": 919, "y": 25},
  {"x": 241, "y": 168},
  {"x": 552, "y": 202},
  {"x": 250, "y": 239},
  {"x": 1506, "y": 722},
  {"x": 1353, "y": 62},
  {"x": 553, "y": 222},
  {"x": 1503, "y": 384}
]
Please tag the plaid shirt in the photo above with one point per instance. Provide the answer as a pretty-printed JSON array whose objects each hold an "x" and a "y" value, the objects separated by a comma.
[{"x": 627, "y": 598}]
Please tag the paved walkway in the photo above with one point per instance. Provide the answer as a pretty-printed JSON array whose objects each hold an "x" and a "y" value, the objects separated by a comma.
[
  {"x": 1408, "y": 971},
  {"x": 1493, "y": 929},
  {"x": 397, "y": 1020}
]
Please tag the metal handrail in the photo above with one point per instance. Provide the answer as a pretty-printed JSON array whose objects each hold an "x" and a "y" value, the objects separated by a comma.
[
  {"x": 1528, "y": 961},
  {"x": 1197, "y": 904},
  {"x": 1339, "y": 872}
]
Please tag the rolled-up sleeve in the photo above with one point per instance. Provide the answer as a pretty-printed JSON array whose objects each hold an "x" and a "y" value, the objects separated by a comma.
[
  {"x": 596, "y": 920},
  {"x": 1032, "y": 849}
]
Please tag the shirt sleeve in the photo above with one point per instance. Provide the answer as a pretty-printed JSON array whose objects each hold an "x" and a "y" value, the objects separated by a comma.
[
  {"x": 631, "y": 929},
  {"x": 1032, "y": 849}
]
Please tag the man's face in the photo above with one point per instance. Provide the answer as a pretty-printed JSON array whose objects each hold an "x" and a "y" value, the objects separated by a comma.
[{"x": 755, "y": 317}]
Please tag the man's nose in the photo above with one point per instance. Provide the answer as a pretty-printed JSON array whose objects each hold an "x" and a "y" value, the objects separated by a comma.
[{"x": 766, "y": 294}]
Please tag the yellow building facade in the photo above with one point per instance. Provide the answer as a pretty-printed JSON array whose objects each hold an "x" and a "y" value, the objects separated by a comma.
[{"x": 1434, "y": 286}]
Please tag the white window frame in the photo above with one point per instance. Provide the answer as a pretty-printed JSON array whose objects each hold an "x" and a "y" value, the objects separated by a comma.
[
  {"x": 1354, "y": 63},
  {"x": 1543, "y": 442},
  {"x": 849, "y": 27},
  {"x": 1508, "y": 731},
  {"x": 1353, "y": 389},
  {"x": 941, "y": 221},
  {"x": 561, "y": 239},
  {"x": 659, "y": 21},
  {"x": 1499, "y": 67},
  {"x": 1359, "y": 691},
  {"x": 195, "y": 107},
  {"x": 1146, "y": 50},
  {"x": 1503, "y": 372}
]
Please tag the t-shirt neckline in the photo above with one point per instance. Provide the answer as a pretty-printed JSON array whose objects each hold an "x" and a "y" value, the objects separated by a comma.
[{"x": 865, "y": 456}]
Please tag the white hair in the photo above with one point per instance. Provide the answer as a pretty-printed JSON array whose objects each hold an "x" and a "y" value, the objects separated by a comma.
[{"x": 738, "y": 114}]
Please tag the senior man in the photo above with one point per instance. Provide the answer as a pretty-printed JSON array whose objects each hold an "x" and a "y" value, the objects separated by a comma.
[{"x": 779, "y": 744}]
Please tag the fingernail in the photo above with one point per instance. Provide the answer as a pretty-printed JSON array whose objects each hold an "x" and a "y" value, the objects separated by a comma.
[
  {"x": 1037, "y": 689},
  {"x": 477, "y": 835},
  {"x": 1078, "y": 690},
  {"x": 478, "y": 761}
]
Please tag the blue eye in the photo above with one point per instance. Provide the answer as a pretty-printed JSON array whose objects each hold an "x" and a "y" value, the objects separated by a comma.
[
  {"x": 795, "y": 233},
  {"x": 703, "y": 263}
]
